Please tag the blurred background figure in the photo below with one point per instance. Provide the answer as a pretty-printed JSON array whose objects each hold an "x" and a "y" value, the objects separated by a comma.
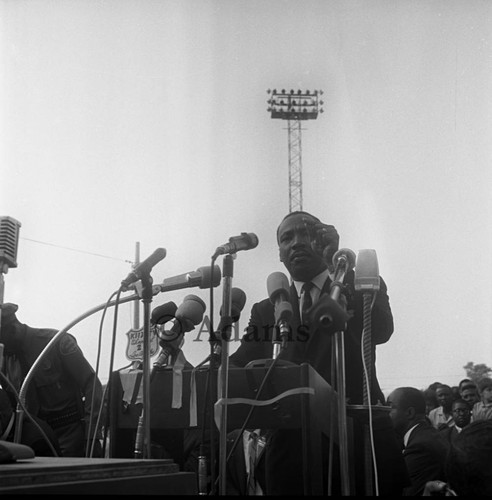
[
  {"x": 430, "y": 400},
  {"x": 424, "y": 449},
  {"x": 462, "y": 417},
  {"x": 64, "y": 390},
  {"x": 482, "y": 410},
  {"x": 442, "y": 415},
  {"x": 469, "y": 392}
]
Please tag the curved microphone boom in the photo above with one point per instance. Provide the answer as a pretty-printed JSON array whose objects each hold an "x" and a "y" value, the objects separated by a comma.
[
  {"x": 279, "y": 293},
  {"x": 144, "y": 267},
  {"x": 245, "y": 241}
]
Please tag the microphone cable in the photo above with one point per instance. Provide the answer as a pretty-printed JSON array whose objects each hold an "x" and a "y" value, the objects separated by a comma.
[
  {"x": 368, "y": 304},
  {"x": 106, "y": 389},
  {"x": 29, "y": 416}
]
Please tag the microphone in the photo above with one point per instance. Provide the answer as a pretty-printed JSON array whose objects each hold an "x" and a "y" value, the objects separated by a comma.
[
  {"x": 245, "y": 241},
  {"x": 327, "y": 313},
  {"x": 238, "y": 300},
  {"x": 203, "y": 277},
  {"x": 279, "y": 293},
  {"x": 343, "y": 260},
  {"x": 188, "y": 315},
  {"x": 9, "y": 239},
  {"x": 144, "y": 267},
  {"x": 163, "y": 313},
  {"x": 367, "y": 271}
]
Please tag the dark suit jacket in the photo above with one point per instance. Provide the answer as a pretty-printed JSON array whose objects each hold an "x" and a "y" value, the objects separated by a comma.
[
  {"x": 449, "y": 433},
  {"x": 314, "y": 346},
  {"x": 425, "y": 455}
]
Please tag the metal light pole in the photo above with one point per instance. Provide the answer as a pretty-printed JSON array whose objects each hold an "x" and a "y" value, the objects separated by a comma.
[{"x": 295, "y": 107}]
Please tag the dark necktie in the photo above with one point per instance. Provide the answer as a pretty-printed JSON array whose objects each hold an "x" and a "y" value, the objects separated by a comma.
[{"x": 307, "y": 301}]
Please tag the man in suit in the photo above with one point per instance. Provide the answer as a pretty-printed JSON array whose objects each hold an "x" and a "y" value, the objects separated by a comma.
[
  {"x": 306, "y": 248},
  {"x": 461, "y": 416},
  {"x": 424, "y": 448}
]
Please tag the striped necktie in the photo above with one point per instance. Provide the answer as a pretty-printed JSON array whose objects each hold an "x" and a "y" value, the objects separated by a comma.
[{"x": 307, "y": 301}]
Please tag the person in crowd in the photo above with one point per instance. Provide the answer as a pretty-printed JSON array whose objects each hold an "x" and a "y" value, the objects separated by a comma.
[
  {"x": 468, "y": 465},
  {"x": 306, "y": 249},
  {"x": 430, "y": 400},
  {"x": 463, "y": 382},
  {"x": 482, "y": 410},
  {"x": 469, "y": 392},
  {"x": 455, "y": 392},
  {"x": 442, "y": 415},
  {"x": 64, "y": 392},
  {"x": 462, "y": 417},
  {"x": 424, "y": 448}
]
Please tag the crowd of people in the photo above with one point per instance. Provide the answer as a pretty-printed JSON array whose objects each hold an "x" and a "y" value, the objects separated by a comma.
[{"x": 433, "y": 441}]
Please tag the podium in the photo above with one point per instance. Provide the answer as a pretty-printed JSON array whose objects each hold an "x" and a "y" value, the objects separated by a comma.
[{"x": 301, "y": 399}]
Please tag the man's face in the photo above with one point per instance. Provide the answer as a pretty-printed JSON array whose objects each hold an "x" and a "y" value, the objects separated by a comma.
[
  {"x": 398, "y": 415},
  {"x": 470, "y": 396},
  {"x": 294, "y": 240},
  {"x": 461, "y": 413},
  {"x": 444, "y": 397},
  {"x": 487, "y": 395}
]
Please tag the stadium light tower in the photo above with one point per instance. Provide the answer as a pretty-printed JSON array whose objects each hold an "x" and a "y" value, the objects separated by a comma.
[{"x": 295, "y": 106}]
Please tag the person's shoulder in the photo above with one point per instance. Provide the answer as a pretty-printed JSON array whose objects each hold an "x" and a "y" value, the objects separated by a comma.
[
  {"x": 263, "y": 304},
  {"x": 68, "y": 345},
  {"x": 42, "y": 333},
  {"x": 433, "y": 412}
]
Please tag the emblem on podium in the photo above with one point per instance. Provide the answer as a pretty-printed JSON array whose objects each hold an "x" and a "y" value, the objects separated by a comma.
[{"x": 135, "y": 343}]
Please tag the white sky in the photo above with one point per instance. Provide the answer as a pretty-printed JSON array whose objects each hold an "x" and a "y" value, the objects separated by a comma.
[{"x": 145, "y": 121}]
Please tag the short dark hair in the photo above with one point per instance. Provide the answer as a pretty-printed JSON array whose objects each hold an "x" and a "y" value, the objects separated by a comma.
[
  {"x": 412, "y": 398},
  {"x": 485, "y": 383},
  {"x": 296, "y": 212}
]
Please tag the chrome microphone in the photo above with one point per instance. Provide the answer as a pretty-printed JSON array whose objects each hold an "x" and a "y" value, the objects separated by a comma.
[
  {"x": 9, "y": 240},
  {"x": 367, "y": 271}
]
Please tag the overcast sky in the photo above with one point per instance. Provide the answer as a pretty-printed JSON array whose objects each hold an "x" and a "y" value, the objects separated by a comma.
[{"x": 141, "y": 121}]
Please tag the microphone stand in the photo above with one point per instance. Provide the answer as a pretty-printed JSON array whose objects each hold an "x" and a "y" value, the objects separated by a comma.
[
  {"x": 227, "y": 273},
  {"x": 339, "y": 348},
  {"x": 145, "y": 443}
]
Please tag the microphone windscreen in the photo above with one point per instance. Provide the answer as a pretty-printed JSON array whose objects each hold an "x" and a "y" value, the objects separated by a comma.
[
  {"x": 277, "y": 286},
  {"x": 253, "y": 240},
  {"x": 163, "y": 313},
  {"x": 209, "y": 277},
  {"x": 238, "y": 300},
  {"x": 191, "y": 309}
]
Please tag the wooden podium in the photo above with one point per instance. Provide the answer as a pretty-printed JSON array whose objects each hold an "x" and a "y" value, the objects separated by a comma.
[{"x": 303, "y": 399}]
